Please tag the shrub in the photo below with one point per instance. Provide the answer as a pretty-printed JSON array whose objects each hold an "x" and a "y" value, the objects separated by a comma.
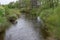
[
  {"x": 2, "y": 11},
  {"x": 51, "y": 19},
  {"x": 3, "y": 24},
  {"x": 3, "y": 20}
]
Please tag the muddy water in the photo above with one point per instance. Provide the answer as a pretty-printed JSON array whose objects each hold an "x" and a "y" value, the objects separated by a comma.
[{"x": 24, "y": 30}]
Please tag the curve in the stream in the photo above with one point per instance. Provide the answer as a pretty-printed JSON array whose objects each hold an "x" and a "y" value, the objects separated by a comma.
[{"x": 23, "y": 30}]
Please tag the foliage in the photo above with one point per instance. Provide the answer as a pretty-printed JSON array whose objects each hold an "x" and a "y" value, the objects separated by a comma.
[
  {"x": 14, "y": 12},
  {"x": 3, "y": 21},
  {"x": 2, "y": 11},
  {"x": 13, "y": 5},
  {"x": 49, "y": 12},
  {"x": 3, "y": 24},
  {"x": 7, "y": 11},
  {"x": 51, "y": 19}
]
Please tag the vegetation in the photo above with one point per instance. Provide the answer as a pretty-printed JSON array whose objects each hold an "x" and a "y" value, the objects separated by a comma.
[
  {"x": 50, "y": 17},
  {"x": 3, "y": 20},
  {"x": 52, "y": 21},
  {"x": 7, "y": 13},
  {"x": 47, "y": 10}
]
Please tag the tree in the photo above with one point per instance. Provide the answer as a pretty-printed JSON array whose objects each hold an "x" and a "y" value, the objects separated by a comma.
[{"x": 11, "y": 5}]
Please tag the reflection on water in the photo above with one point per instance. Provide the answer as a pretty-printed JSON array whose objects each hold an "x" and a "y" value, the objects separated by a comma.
[{"x": 23, "y": 30}]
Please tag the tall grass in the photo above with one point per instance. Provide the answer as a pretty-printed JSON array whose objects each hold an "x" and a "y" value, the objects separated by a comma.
[
  {"x": 5, "y": 14},
  {"x": 51, "y": 18},
  {"x": 3, "y": 20}
]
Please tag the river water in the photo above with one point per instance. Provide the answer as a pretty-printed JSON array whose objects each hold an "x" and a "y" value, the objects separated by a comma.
[{"x": 24, "y": 30}]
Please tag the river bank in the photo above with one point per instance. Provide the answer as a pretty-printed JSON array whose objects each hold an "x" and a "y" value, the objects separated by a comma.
[{"x": 7, "y": 18}]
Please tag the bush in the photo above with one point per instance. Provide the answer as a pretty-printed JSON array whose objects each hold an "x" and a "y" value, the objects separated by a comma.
[
  {"x": 6, "y": 15},
  {"x": 3, "y": 20},
  {"x": 12, "y": 14},
  {"x": 3, "y": 24},
  {"x": 51, "y": 19},
  {"x": 2, "y": 11}
]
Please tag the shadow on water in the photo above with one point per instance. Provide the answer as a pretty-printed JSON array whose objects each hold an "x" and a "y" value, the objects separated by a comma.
[{"x": 2, "y": 35}]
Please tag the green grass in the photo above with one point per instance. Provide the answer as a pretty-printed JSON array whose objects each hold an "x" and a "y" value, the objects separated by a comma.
[
  {"x": 3, "y": 20},
  {"x": 3, "y": 24},
  {"x": 5, "y": 14},
  {"x": 13, "y": 13},
  {"x": 51, "y": 18},
  {"x": 2, "y": 11}
]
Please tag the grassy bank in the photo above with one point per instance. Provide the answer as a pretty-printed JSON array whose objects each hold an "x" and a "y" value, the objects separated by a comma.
[
  {"x": 6, "y": 15},
  {"x": 51, "y": 20}
]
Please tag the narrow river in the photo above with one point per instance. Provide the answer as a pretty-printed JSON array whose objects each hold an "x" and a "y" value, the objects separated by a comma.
[{"x": 23, "y": 30}]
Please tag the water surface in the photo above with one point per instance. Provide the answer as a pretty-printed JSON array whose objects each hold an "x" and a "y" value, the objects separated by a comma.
[{"x": 23, "y": 30}]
